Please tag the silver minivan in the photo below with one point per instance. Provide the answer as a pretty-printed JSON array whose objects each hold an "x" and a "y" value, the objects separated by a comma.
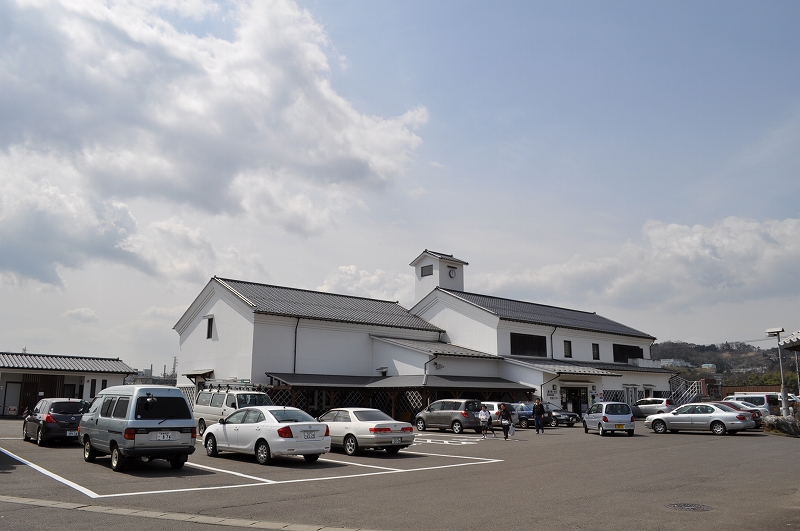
[
  {"x": 129, "y": 421},
  {"x": 456, "y": 414},
  {"x": 608, "y": 417}
]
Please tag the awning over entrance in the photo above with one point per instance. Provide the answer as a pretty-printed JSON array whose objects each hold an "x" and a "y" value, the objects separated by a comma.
[
  {"x": 322, "y": 381},
  {"x": 559, "y": 367},
  {"x": 199, "y": 375}
]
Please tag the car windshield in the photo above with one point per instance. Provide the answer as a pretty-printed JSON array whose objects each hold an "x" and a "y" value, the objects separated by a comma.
[
  {"x": 372, "y": 416},
  {"x": 162, "y": 407},
  {"x": 723, "y": 407},
  {"x": 68, "y": 408},
  {"x": 253, "y": 399},
  {"x": 618, "y": 409},
  {"x": 291, "y": 415}
]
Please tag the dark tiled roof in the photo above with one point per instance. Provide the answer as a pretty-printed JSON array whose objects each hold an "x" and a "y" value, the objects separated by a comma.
[
  {"x": 63, "y": 363},
  {"x": 395, "y": 382},
  {"x": 529, "y": 312},
  {"x": 622, "y": 367},
  {"x": 560, "y": 367},
  {"x": 438, "y": 348},
  {"x": 293, "y": 302},
  {"x": 441, "y": 256}
]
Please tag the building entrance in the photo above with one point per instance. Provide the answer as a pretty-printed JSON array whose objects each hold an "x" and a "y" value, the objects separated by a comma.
[{"x": 575, "y": 399}]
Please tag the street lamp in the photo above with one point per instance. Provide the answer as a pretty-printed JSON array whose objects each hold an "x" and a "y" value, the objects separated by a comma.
[{"x": 776, "y": 332}]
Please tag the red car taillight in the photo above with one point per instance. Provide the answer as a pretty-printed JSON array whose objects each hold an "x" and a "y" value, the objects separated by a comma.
[
  {"x": 285, "y": 432},
  {"x": 605, "y": 419},
  {"x": 465, "y": 414},
  {"x": 129, "y": 434},
  {"x": 194, "y": 433},
  {"x": 380, "y": 430},
  {"x": 741, "y": 417},
  {"x": 49, "y": 419},
  {"x": 327, "y": 431},
  {"x": 633, "y": 419},
  {"x": 407, "y": 429}
]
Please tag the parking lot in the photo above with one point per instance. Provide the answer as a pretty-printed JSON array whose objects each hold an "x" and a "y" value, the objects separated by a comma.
[{"x": 563, "y": 479}]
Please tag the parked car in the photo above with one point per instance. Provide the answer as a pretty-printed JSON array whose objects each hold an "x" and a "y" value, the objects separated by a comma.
[
  {"x": 652, "y": 406},
  {"x": 766, "y": 399},
  {"x": 494, "y": 409},
  {"x": 525, "y": 413},
  {"x": 354, "y": 429},
  {"x": 754, "y": 412},
  {"x": 54, "y": 418},
  {"x": 267, "y": 432},
  {"x": 747, "y": 405},
  {"x": 716, "y": 417},
  {"x": 559, "y": 416},
  {"x": 214, "y": 404},
  {"x": 126, "y": 421},
  {"x": 457, "y": 415},
  {"x": 609, "y": 417}
]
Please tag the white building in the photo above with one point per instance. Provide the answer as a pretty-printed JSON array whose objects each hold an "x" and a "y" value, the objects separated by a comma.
[{"x": 319, "y": 349}]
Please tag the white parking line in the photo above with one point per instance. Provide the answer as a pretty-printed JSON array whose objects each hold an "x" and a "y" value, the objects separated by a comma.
[
  {"x": 204, "y": 467},
  {"x": 361, "y": 464},
  {"x": 46, "y": 472}
]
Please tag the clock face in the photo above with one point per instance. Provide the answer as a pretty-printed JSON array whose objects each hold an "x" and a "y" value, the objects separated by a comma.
[{"x": 452, "y": 273}]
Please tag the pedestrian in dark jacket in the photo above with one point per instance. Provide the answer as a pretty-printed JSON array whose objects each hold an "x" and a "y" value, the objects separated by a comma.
[
  {"x": 538, "y": 415},
  {"x": 505, "y": 420}
]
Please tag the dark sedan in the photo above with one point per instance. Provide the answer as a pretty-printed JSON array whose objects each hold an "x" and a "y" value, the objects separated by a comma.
[
  {"x": 525, "y": 412},
  {"x": 559, "y": 416},
  {"x": 54, "y": 418}
]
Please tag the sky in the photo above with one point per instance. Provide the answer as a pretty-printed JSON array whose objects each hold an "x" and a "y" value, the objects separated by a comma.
[{"x": 639, "y": 160}]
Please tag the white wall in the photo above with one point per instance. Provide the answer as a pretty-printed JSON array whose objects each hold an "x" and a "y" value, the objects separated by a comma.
[
  {"x": 440, "y": 277},
  {"x": 465, "y": 324},
  {"x": 229, "y": 350}
]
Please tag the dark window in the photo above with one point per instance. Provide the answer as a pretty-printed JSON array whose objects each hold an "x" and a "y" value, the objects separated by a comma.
[
  {"x": 436, "y": 406},
  {"x": 121, "y": 409},
  {"x": 595, "y": 351},
  {"x": 623, "y": 353},
  {"x": 426, "y": 271},
  {"x": 253, "y": 399},
  {"x": 330, "y": 416},
  {"x": 203, "y": 399},
  {"x": 343, "y": 416},
  {"x": 217, "y": 400},
  {"x": 528, "y": 345},
  {"x": 210, "y": 329},
  {"x": 93, "y": 388},
  {"x": 162, "y": 407},
  {"x": 107, "y": 407},
  {"x": 68, "y": 408},
  {"x": 103, "y": 384},
  {"x": 567, "y": 349},
  {"x": 291, "y": 415},
  {"x": 254, "y": 416},
  {"x": 472, "y": 405},
  {"x": 372, "y": 416},
  {"x": 236, "y": 418},
  {"x": 231, "y": 401}
]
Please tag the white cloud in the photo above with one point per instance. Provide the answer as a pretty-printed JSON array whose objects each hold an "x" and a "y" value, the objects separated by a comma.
[
  {"x": 733, "y": 260},
  {"x": 85, "y": 315},
  {"x": 349, "y": 280}
]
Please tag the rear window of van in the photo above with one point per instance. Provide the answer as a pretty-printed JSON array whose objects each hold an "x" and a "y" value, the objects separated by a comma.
[{"x": 162, "y": 407}]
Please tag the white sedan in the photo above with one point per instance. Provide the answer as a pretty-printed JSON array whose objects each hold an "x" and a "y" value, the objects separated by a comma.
[
  {"x": 354, "y": 428},
  {"x": 267, "y": 432}
]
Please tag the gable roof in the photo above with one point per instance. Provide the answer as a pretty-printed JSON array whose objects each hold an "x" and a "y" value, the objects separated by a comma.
[
  {"x": 307, "y": 304},
  {"x": 529, "y": 312},
  {"x": 437, "y": 348},
  {"x": 9, "y": 360},
  {"x": 440, "y": 256}
]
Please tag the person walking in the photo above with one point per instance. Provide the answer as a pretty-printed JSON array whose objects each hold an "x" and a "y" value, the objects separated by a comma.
[
  {"x": 486, "y": 420},
  {"x": 538, "y": 415},
  {"x": 505, "y": 420}
]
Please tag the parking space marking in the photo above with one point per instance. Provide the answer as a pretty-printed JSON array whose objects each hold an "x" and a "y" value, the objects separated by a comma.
[
  {"x": 52, "y": 475},
  {"x": 204, "y": 467},
  {"x": 361, "y": 464}
]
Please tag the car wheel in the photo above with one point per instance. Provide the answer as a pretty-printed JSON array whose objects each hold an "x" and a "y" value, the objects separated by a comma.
[
  {"x": 262, "y": 453},
  {"x": 457, "y": 427},
  {"x": 350, "y": 445},
  {"x": 311, "y": 457},
  {"x": 553, "y": 422},
  {"x": 629, "y": 432},
  {"x": 176, "y": 463},
  {"x": 570, "y": 424},
  {"x": 117, "y": 460},
  {"x": 201, "y": 426},
  {"x": 603, "y": 432},
  {"x": 89, "y": 452},
  {"x": 211, "y": 446},
  {"x": 40, "y": 437},
  {"x": 392, "y": 450},
  {"x": 659, "y": 426},
  {"x": 25, "y": 436},
  {"x": 523, "y": 423},
  {"x": 420, "y": 425},
  {"x": 718, "y": 428}
]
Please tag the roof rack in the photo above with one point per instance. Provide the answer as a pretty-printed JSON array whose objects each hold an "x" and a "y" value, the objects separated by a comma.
[{"x": 233, "y": 385}]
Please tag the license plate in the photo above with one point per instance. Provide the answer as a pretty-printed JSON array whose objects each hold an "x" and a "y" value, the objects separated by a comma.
[
  {"x": 620, "y": 426},
  {"x": 309, "y": 435},
  {"x": 397, "y": 440},
  {"x": 72, "y": 433},
  {"x": 164, "y": 436}
]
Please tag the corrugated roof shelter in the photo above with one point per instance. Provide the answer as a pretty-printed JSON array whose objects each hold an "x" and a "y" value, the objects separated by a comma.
[{"x": 49, "y": 362}]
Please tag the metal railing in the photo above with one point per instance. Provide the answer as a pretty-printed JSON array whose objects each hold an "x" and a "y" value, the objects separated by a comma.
[{"x": 684, "y": 391}]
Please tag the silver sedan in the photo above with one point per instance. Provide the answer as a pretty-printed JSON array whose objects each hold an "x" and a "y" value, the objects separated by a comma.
[
  {"x": 354, "y": 428},
  {"x": 718, "y": 418}
]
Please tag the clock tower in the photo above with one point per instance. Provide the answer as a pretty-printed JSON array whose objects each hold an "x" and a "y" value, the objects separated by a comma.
[{"x": 433, "y": 269}]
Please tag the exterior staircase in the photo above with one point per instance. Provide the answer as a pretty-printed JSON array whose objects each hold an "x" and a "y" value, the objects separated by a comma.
[{"x": 684, "y": 391}]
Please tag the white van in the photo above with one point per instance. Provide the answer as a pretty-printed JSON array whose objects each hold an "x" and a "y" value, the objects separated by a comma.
[
  {"x": 128, "y": 421},
  {"x": 214, "y": 404}
]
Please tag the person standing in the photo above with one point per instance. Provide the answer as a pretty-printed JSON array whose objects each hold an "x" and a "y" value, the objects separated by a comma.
[
  {"x": 505, "y": 420},
  {"x": 486, "y": 420},
  {"x": 538, "y": 415}
]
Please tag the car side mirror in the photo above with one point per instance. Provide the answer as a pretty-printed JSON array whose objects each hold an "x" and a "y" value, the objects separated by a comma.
[
  {"x": 222, "y": 421},
  {"x": 674, "y": 412}
]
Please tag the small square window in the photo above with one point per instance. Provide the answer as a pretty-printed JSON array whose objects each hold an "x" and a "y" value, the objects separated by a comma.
[
  {"x": 426, "y": 271},
  {"x": 595, "y": 351},
  {"x": 567, "y": 349}
]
